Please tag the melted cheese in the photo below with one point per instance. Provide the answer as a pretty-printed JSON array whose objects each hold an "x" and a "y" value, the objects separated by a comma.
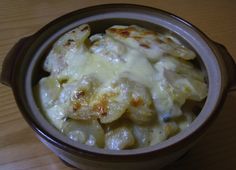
[{"x": 136, "y": 68}]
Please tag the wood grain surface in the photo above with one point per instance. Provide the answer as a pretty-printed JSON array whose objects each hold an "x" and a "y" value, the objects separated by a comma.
[{"x": 19, "y": 147}]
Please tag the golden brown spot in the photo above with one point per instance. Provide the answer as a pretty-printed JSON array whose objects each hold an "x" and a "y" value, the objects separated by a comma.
[
  {"x": 76, "y": 106},
  {"x": 79, "y": 94},
  {"x": 122, "y": 32},
  {"x": 125, "y": 33},
  {"x": 137, "y": 102},
  {"x": 144, "y": 45},
  {"x": 101, "y": 107}
]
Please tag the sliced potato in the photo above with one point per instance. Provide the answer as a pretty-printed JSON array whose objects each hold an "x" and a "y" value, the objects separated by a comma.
[
  {"x": 108, "y": 48},
  {"x": 67, "y": 50},
  {"x": 179, "y": 66},
  {"x": 56, "y": 116},
  {"x": 162, "y": 97},
  {"x": 152, "y": 44},
  {"x": 140, "y": 109},
  {"x": 108, "y": 108},
  {"x": 115, "y": 111},
  {"x": 141, "y": 115},
  {"x": 185, "y": 80},
  {"x": 78, "y": 135},
  {"x": 187, "y": 86},
  {"x": 48, "y": 91},
  {"x": 85, "y": 131},
  {"x": 112, "y": 102},
  {"x": 77, "y": 95},
  {"x": 177, "y": 50},
  {"x": 199, "y": 89},
  {"x": 138, "y": 38},
  {"x": 157, "y": 135},
  {"x": 142, "y": 135},
  {"x": 120, "y": 138},
  {"x": 177, "y": 81}
]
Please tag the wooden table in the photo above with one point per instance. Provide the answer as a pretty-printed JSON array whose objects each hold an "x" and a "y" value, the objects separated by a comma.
[{"x": 20, "y": 149}]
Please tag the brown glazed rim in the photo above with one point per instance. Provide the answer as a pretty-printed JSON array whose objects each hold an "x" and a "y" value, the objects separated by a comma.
[{"x": 22, "y": 85}]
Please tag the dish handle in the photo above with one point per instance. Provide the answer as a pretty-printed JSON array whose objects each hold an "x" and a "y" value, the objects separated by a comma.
[
  {"x": 230, "y": 65},
  {"x": 10, "y": 60}
]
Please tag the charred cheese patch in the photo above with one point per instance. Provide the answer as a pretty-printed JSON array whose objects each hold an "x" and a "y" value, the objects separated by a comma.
[{"x": 152, "y": 44}]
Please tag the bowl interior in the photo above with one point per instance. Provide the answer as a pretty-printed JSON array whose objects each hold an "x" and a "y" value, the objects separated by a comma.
[{"x": 100, "y": 19}]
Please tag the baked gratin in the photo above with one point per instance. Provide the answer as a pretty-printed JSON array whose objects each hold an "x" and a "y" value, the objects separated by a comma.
[{"x": 127, "y": 88}]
